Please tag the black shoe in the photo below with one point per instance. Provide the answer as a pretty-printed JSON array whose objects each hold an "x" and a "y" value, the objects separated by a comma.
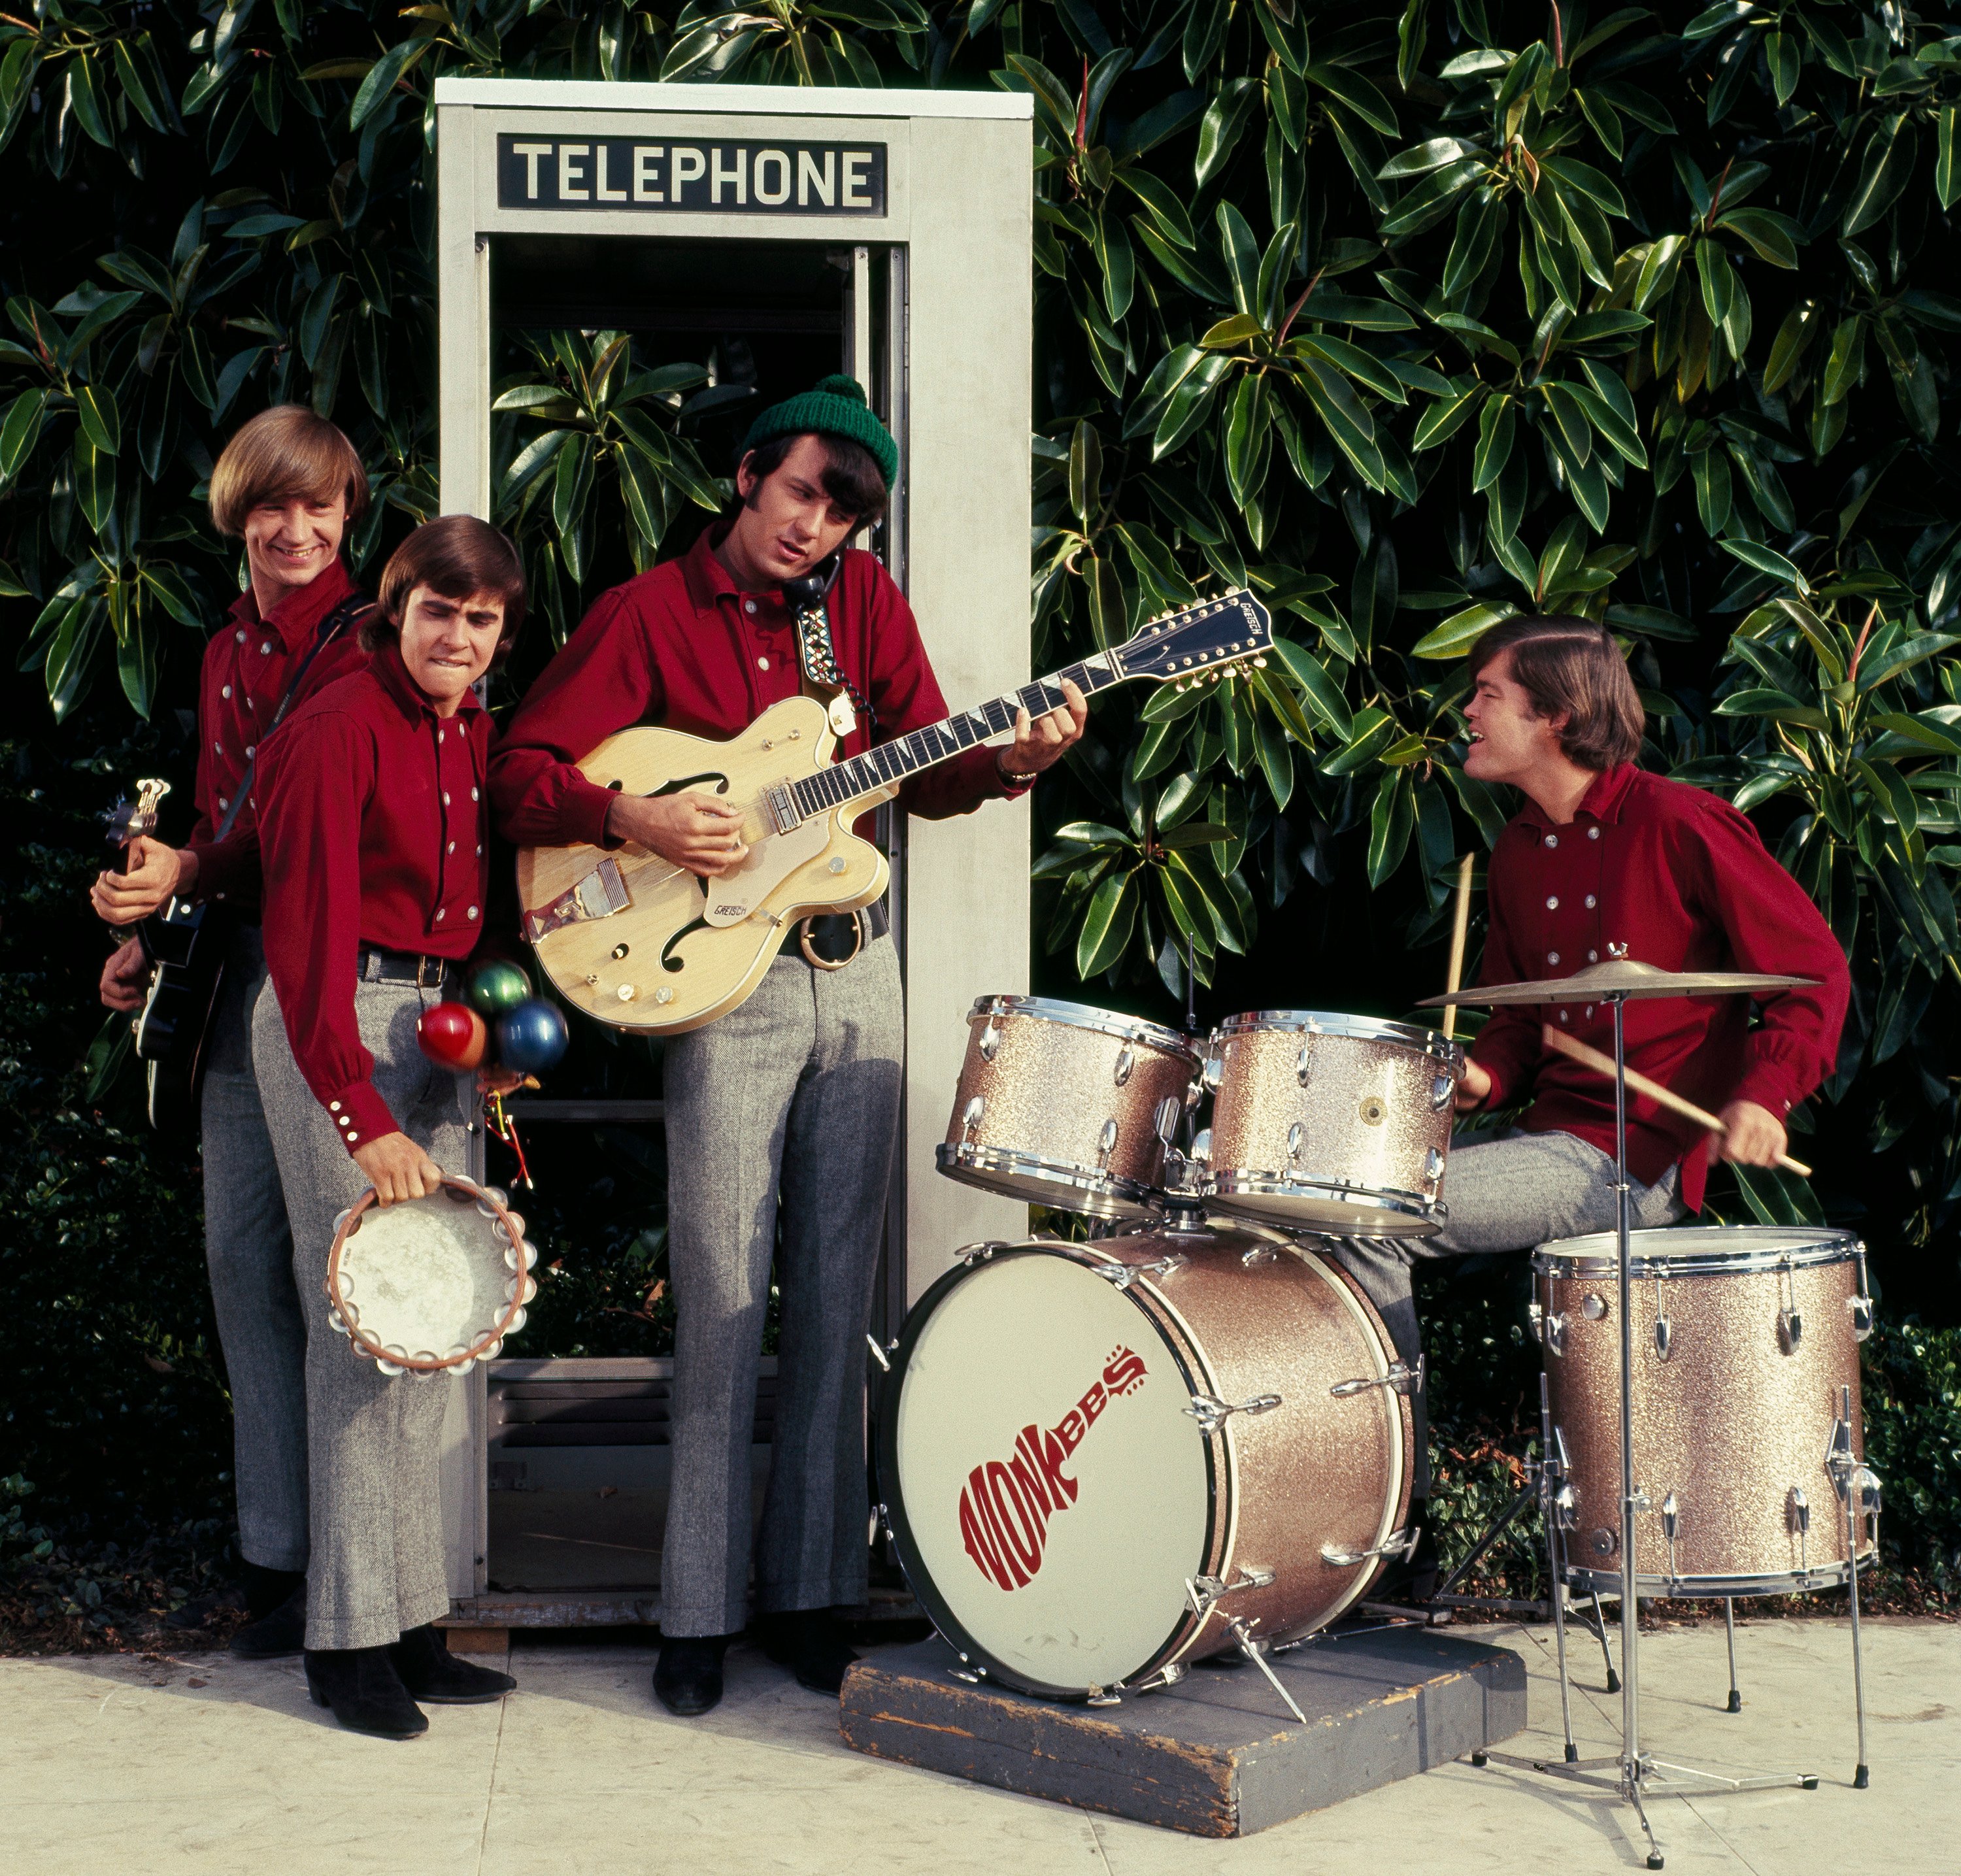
[
  {"x": 280, "y": 1633},
  {"x": 364, "y": 1690},
  {"x": 266, "y": 1589},
  {"x": 811, "y": 1643},
  {"x": 687, "y": 1678},
  {"x": 431, "y": 1672}
]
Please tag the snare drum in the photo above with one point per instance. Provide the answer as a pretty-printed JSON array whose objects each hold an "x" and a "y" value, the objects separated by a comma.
[
  {"x": 1748, "y": 1433},
  {"x": 430, "y": 1285},
  {"x": 1332, "y": 1123},
  {"x": 1096, "y": 1458},
  {"x": 1062, "y": 1105}
]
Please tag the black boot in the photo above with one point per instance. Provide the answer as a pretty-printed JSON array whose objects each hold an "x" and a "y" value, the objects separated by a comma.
[
  {"x": 431, "y": 1672},
  {"x": 364, "y": 1690},
  {"x": 811, "y": 1643},
  {"x": 687, "y": 1678},
  {"x": 282, "y": 1632},
  {"x": 265, "y": 1589}
]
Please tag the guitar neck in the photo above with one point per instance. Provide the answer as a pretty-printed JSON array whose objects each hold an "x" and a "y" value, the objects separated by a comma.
[{"x": 871, "y": 774}]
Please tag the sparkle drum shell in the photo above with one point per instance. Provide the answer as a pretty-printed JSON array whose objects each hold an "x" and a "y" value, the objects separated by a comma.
[
  {"x": 1331, "y": 1123},
  {"x": 1057, "y": 1503},
  {"x": 1735, "y": 1424},
  {"x": 1062, "y": 1105},
  {"x": 430, "y": 1285}
]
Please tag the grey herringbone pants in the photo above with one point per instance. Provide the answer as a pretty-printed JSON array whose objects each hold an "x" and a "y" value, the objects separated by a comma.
[
  {"x": 248, "y": 1250},
  {"x": 374, "y": 1445},
  {"x": 790, "y": 1102},
  {"x": 1514, "y": 1194}
]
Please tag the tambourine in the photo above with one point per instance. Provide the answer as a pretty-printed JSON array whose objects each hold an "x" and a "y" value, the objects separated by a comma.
[{"x": 430, "y": 1285}]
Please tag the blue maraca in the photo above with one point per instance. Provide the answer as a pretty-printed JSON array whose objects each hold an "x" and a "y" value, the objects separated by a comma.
[{"x": 531, "y": 1037}]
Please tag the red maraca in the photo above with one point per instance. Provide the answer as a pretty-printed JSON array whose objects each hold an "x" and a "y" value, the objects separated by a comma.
[{"x": 452, "y": 1035}]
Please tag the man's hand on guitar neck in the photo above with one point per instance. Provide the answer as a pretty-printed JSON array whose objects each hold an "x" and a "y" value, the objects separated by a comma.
[
  {"x": 1039, "y": 744},
  {"x": 160, "y": 873},
  {"x": 694, "y": 830},
  {"x": 125, "y": 977}
]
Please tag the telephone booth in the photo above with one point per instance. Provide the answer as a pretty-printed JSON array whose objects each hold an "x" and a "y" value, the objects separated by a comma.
[{"x": 884, "y": 233}]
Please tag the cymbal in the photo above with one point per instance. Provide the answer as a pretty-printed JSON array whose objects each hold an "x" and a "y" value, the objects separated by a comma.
[{"x": 1620, "y": 976}]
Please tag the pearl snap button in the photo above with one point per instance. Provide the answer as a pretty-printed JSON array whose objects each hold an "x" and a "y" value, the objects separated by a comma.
[
  {"x": 473, "y": 911},
  {"x": 248, "y": 748},
  {"x": 1552, "y": 840},
  {"x": 445, "y": 798},
  {"x": 1552, "y": 957},
  {"x": 1593, "y": 957},
  {"x": 223, "y": 803},
  {"x": 240, "y": 635},
  {"x": 451, "y": 848},
  {"x": 439, "y": 911},
  {"x": 762, "y": 664},
  {"x": 1552, "y": 905},
  {"x": 1591, "y": 902},
  {"x": 333, "y": 1107},
  {"x": 1562, "y": 1016},
  {"x": 226, "y": 691},
  {"x": 472, "y": 794},
  {"x": 351, "y": 1138},
  {"x": 266, "y": 650},
  {"x": 217, "y": 749},
  {"x": 748, "y": 605},
  {"x": 1593, "y": 834}
]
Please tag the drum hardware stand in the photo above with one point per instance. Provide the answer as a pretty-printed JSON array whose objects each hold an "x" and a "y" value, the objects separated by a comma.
[
  {"x": 1634, "y": 1771},
  {"x": 1204, "y": 1593}
]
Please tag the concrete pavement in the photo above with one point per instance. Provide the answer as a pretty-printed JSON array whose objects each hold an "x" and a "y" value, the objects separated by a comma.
[{"x": 122, "y": 1766}]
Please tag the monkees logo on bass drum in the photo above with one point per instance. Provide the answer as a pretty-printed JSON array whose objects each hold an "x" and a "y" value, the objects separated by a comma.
[{"x": 1006, "y": 1504}]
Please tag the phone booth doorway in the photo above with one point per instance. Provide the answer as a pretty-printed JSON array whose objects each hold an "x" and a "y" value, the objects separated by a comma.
[{"x": 797, "y": 231}]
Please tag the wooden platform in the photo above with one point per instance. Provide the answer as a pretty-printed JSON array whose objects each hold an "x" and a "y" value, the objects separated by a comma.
[{"x": 1218, "y": 1755}]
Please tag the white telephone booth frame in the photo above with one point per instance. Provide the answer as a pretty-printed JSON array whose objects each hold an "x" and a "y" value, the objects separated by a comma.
[{"x": 957, "y": 223}]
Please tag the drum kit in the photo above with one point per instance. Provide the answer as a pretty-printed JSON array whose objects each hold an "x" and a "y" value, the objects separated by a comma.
[{"x": 1189, "y": 1434}]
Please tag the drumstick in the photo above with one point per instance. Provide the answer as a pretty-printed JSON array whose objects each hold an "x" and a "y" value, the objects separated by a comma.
[
  {"x": 1457, "y": 942},
  {"x": 1571, "y": 1046}
]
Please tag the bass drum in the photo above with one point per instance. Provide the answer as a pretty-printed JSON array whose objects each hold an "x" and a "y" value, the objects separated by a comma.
[{"x": 1096, "y": 1459}]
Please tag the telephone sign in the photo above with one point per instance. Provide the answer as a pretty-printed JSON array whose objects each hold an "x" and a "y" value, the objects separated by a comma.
[{"x": 700, "y": 175}]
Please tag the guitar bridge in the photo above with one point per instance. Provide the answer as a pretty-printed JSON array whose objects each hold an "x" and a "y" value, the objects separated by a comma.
[
  {"x": 782, "y": 807},
  {"x": 599, "y": 895}
]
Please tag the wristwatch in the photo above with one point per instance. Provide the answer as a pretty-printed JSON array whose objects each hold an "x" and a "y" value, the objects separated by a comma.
[{"x": 1008, "y": 775}]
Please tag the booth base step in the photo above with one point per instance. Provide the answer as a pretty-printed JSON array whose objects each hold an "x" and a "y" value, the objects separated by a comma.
[
  {"x": 500, "y": 1611},
  {"x": 1218, "y": 1755}
]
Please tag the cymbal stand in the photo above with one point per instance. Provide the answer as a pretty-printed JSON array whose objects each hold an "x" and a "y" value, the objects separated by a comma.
[{"x": 1633, "y": 1773}]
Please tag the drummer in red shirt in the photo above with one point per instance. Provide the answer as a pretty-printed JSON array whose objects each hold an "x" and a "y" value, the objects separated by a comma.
[
  {"x": 374, "y": 827},
  {"x": 1604, "y": 860}
]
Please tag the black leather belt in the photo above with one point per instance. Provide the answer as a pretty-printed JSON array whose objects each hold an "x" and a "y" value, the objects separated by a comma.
[
  {"x": 830, "y": 940},
  {"x": 377, "y": 966}
]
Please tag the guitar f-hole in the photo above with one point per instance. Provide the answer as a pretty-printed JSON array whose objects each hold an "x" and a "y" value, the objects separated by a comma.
[{"x": 668, "y": 961}]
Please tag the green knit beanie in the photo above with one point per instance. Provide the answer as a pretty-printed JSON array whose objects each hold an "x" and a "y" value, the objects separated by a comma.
[{"x": 833, "y": 407}]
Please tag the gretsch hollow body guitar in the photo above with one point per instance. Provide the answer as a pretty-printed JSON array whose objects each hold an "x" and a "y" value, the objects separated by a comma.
[{"x": 643, "y": 944}]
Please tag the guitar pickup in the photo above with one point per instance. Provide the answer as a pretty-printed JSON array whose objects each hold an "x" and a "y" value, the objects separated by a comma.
[
  {"x": 599, "y": 895},
  {"x": 782, "y": 807}
]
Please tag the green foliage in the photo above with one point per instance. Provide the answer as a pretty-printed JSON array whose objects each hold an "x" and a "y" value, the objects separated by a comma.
[{"x": 1411, "y": 317}]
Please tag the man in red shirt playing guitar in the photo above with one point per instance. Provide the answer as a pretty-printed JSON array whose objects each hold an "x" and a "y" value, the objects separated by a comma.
[
  {"x": 793, "y": 1095},
  {"x": 1603, "y": 860}
]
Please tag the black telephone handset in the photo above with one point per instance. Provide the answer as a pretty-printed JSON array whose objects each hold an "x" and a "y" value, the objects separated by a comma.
[{"x": 813, "y": 587}]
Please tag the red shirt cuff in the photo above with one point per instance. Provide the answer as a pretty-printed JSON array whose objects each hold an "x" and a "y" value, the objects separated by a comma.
[
  {"x": 582, "y": 814},
  {"x": 227, "y": 869},
  {"x": 360, "y": 1114},
  {"x": 1770, "y": 1089}
]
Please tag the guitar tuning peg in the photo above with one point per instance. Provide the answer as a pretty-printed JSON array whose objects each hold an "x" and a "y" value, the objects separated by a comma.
[{"x": 1260, "y": 663}]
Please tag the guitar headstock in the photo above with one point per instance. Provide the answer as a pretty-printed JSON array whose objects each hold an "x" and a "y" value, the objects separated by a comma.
[
  {"x": 127, "y": 819},
  {"x": 1212, "y": 637}
]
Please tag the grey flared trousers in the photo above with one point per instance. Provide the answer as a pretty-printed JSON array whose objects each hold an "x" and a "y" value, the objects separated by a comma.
[
  {"x": 248, "y": 1250},
  {"x": 374, "y": 1444},
  {"x": 786, "y": 1107}
]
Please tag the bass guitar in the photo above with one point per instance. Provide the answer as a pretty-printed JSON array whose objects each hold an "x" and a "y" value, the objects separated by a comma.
[{"x": 643, "y": 944}]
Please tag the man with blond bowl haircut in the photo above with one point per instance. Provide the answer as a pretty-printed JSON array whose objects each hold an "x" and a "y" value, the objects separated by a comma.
[
  {"x": 287, "y": 486},
  {"x": 1605, "y": 860}
]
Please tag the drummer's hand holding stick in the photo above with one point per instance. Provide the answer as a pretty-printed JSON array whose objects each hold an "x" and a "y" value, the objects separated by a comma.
[
  {"x": 1752, "y": 1135},
  {"x": 1475, "y": 1083}
]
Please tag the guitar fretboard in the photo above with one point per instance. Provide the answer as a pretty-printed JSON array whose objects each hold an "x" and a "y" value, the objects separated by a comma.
[{"x": 893, "y": 761}]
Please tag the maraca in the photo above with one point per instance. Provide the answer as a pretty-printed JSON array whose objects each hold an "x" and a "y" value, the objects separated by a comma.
[
  {"x": 531, "y": 1037},
  {"x": 452, "y": 1035},
  {"x": 497, "y": 987}
]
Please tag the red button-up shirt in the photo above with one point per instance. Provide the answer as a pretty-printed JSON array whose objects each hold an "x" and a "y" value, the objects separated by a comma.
[
  {"x": 1682, "y": 880},
  {"x": 373, "y": 820},
  {"x": 247, "y": 666},
  {"x": 683, "y": 646}
]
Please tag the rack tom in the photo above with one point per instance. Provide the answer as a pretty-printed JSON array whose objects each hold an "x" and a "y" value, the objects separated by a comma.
[
  {"x": 1748, "y": 1433},
  {"x": 1100, "y": 1461},
  {"x": 1062, "y": 1105},
  {"x": 1331, "y": 1123}
]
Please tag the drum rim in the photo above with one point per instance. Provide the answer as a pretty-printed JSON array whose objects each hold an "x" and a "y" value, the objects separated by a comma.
[
  {"x": 892, "y": 1498},
  {"x": 1125, "y": 1198},
  {"x": 481, "y": 1347},
  {"x": 1433, "y": 1042},
  {"x": 1090, "y": 1017},
  {"x": 1773, "y": 1247},
  {"x": 1433, "y": 1214},
  {"x": 1823, "y": 1576}
]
